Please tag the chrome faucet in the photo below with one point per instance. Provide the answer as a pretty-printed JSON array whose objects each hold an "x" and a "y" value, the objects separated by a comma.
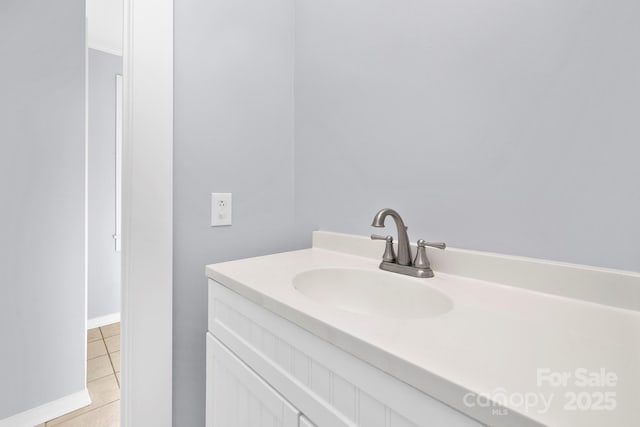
[{"x": 403, "y": 264}]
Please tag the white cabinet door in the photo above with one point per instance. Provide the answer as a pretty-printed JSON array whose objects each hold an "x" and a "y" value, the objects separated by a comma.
[
  {"x": 238, "y": 397},
  {"x": 304, "y": 422}
]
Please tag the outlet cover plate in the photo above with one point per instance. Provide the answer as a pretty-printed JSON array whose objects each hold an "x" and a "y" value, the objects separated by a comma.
[{"x": 221, "y": 209}]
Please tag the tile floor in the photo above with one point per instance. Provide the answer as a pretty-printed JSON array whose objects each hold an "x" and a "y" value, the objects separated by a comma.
[{"x": 103, "y": 382}]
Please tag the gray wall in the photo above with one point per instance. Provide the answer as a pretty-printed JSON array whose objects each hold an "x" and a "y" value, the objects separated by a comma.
[
  {"x": 104, "y": 262},
  {"x": 233, "y": 133},
  {"x": 42, "y": 123},
  {"x": 492, "y": 125},
  {"x": 500, "y": 126}
]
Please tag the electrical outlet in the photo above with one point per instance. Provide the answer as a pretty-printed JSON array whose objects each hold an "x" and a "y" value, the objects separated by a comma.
[{"x": 220, "y": 209}]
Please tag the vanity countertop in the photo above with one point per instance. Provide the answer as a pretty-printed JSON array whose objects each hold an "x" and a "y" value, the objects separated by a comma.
[{"x": 495, "y": 342}]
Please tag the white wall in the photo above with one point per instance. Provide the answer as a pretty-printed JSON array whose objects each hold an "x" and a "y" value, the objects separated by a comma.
[
  {"x": 233, "y": 133},
  {"x": 42, "y": 137},
  {"x": 502, "y": 126},
  {"x": 104, "y": 262}
]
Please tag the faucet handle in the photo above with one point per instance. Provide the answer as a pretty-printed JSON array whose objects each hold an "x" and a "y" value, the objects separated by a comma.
[
  {"x": 421, "y": 260},
  {"x": 422, "y": 243},
  {"x": 389, "y": 254}
]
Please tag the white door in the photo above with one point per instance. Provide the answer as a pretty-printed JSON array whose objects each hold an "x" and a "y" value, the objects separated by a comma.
[{"x": 238, "y": 397}]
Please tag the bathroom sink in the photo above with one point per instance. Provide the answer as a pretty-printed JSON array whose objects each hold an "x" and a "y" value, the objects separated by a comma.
[{"x": 373, "y": 293}]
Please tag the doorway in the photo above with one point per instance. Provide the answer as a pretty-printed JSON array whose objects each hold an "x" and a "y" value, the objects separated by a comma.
[
  {"x": 103, "y": 189},
  {"x": 43, "y": 267}
]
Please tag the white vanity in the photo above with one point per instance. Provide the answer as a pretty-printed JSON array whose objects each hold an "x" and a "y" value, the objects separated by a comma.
[{"x": 294, "y": 339}]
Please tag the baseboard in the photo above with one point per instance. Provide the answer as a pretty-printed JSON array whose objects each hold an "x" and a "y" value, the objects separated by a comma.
[
  {"x": 48, "y": 411},
  {"x": 103, "y": 320}
]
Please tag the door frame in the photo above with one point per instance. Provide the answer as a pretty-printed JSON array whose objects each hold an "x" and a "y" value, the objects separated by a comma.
[{"x": 147, "y": 214}]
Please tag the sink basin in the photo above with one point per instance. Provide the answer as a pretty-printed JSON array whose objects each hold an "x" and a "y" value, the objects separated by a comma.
[{"x": 373, "y": 293}]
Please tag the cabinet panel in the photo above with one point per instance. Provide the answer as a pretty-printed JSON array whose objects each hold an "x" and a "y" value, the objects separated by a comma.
[
  {"x": 304, "y": 422},
  {"x": 372, "y": 412},
  {"x": 238, "y": 397},
  {"x": 330, "y": 386}
]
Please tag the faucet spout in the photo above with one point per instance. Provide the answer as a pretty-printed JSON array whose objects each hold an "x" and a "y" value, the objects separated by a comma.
[{"x": 404, "y": 248}]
